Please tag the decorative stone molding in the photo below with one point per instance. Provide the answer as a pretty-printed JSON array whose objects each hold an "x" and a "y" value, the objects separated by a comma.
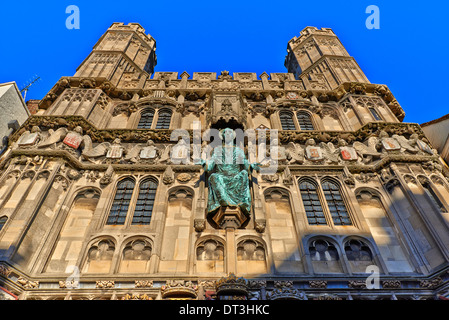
[
  {"x": 260, "y": 225},
  {"x": 105, "y": 284},
  {"x": 199, "y": 225},
  {"x": 4, "y": 271},
  {"x": 28, "y": 284},
  {"x": 357, "y": 284},
  {"x": 132, "y": 296},
  {"x": 326, "y": 296},
  {"x": 231, "y": 285},
  {"x": 143, "y": 284},
  {"x": 318, "y": 284},
  {"x": 179, "y": 288},
  {"x": 71, "y": 284},
  {"x": 184, "y": 177},
  {"x": 169, "y": 176},
  {"x": 391, "y": 284},
  {"x": 284, "y": 290},
  {"x": 430, "y": 284},
  {"x": 257, "y": 284}
]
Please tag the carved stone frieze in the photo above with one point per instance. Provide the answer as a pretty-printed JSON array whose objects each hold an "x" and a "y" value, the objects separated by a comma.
[{"x": 105, "y": 284}]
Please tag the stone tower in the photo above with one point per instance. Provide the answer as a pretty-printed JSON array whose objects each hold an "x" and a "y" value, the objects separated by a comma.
[
  {"x": 124, "y": 55},
  {"x": 319, "y": 59},
  {"x": 104, "y": 195}
]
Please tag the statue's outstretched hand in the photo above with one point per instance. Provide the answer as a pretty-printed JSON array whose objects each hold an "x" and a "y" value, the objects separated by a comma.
[{"x": 255, "y": 167}]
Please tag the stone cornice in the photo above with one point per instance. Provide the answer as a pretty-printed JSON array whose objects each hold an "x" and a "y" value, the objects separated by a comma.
[{"x": 163, "y": 136}]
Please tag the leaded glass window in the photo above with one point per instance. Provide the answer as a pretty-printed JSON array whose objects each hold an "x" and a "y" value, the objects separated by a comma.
[
  {"x": 335, "y": 202},
  {"x": 311, "y": 202},
  {"x": 146, "y": 119},
  {"x": 145, "y": 202},
  {"x": 120, "y": 205},
  {"x": 164, "y": 119},
  {"x": 287, "y": 121},
  {"x": 305, "y": 123}
]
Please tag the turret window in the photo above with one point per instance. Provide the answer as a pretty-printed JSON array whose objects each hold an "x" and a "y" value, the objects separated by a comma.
[
  {"x": 146, "y": 119},
  {"x": 302, "y": 122},
  {"x": 164, "y": 119},
  {"x": 155, "y": 117}
]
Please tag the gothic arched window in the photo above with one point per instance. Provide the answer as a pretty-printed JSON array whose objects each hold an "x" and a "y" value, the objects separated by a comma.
[
  {"x": 304, "y": 120},
  {"x": 146, "y": 119},
  {"x": 375, "y": 114},
  {"x": 433, "y": 196},
  {"x": 287, "y": 120},
  {"x": 164, "y": 119},
  {"x": 335, "y": 202},
  {"x": 3, "y": 222},
  {"x": 145, "y": 202},
  {"x": 357, "y": 250},
  {"x": 120, "y": 205},
  {"x": 322, "y": 250},
  {"x": 311, "y": 201}
]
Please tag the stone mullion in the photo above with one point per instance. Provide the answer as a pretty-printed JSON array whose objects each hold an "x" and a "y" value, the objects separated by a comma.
[{"x": 160, "y": 209}]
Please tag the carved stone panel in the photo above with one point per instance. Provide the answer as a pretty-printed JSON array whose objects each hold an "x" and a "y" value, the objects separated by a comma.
[{"x": 227, "y": 107}]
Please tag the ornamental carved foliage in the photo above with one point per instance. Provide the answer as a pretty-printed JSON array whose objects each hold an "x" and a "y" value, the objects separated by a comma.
[
  {"x": 431, "y": 284},
  {"x": 286, "y": 290},
  {"x": 143, "y": 284},
  {"x": 134, "y": 296},
  {"x": 318, "y": 284},
  {"x": 28, "y": 284},
  {"x": 105, "y": 284},
  {"x": 357, "y": 284},
  {"x": 391, "y": 284},
  {"x": 125, "y": 108},
  {"x": 179, "y": 288}
]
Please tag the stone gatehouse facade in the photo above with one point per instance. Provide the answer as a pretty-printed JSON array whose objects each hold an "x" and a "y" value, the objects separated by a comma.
[{"x": 93, "y": 205}]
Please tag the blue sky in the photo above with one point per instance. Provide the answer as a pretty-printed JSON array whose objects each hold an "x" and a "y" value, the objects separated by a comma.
[{"x": 409, "y": 52}]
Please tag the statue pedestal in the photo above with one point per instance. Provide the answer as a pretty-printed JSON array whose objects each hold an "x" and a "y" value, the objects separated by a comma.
[{"x": 229, "y": 217}]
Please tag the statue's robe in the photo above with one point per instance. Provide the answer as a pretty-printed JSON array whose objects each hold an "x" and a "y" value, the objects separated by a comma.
[{"x": 228, "y": 180}]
